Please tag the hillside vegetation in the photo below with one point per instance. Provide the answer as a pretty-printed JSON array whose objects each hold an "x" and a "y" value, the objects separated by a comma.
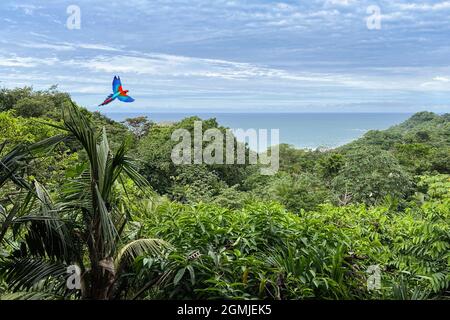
[{"x": 77, "y": 188}]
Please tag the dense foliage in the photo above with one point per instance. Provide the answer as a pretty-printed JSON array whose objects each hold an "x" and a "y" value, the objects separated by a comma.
[{"x": 145, "y": 228}]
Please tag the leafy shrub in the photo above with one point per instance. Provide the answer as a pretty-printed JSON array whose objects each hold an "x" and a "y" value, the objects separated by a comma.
[{"x": 265, "y": 252}]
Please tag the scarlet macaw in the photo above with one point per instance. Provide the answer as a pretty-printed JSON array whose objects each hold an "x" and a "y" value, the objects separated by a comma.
[{"x": 118, "y": 93}]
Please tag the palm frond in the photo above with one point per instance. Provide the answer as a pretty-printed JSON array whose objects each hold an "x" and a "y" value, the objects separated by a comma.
[
  {"x": 33, "y": 295},
  {"x": 47, "y": 233},
  {"x": 10, "y": 217},
  {"x": 103, "y": 152},
  {"x": 140, "y": 247},
  {"x": 81, "y": 128},
  {"x": 23, "y": 274},
  {"x": 18, "y": 157},
  {"x": 108, "y": 231},
  {"x": 76, "y": 193},
  {"x": 131, "y": 169}
]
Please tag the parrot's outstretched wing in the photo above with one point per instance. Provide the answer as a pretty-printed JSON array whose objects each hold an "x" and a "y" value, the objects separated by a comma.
[
  {"x": 125, "y": 98},
  {"x": 116, "y": 84}
]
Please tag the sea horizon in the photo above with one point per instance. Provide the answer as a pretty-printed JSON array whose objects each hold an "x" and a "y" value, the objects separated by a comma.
[{"x": 107, "y": 112}]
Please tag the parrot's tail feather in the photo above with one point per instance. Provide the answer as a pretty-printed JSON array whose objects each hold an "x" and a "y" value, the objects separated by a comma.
[{"x": 108, "y": 100}]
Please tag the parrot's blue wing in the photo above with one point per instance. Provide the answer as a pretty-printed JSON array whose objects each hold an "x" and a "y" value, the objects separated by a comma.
[
  {"x": 125, "y": 98},
  {"x": 116, "y": 84}
]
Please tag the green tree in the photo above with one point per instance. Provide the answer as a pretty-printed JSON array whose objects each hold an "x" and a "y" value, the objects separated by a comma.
[
  {"x": 139, "y": 126},
  {"x": 155, "y": 151},
  {"x": 371, "y": 174},
  {"x": 330, "y": 165},
  {"x": 416, "y": 157},
  {"x": 304, "y": 191},
  {"x": 9, "y": 98},
  {"x": 34, "y": 107}
]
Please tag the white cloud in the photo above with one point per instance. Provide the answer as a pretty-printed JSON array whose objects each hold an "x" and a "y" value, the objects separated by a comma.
[
  {"x": 424, "y": 6},
  {"x": 84, "y": 89},
  {"x": 340, "y": 2},
  {"x": 180, "y": 66},
  {"x": 438, "y": 83},
  {"x": 284, "y": 6},
  {"x": 26, "y": 62},
  {"x": 47, "y": 46},
  {"x": 28, "y": 9},
  {"x": 94, "y": 46},
  {"x": 66, "y": 46},
  {"x": 441, "y": 79}
]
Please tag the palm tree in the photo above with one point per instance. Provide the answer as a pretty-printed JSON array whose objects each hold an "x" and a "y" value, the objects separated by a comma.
[{"x": 83, "y": 227}]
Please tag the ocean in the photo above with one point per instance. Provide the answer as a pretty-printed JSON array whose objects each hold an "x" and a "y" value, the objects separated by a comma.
[{"x": 302, "y": 130}]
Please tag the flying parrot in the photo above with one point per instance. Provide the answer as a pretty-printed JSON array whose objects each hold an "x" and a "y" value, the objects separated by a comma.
[{"x": 118, "y": 93}]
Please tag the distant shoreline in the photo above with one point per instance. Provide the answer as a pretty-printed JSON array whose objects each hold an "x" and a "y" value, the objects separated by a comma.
[{"x": 301, "y": 130}]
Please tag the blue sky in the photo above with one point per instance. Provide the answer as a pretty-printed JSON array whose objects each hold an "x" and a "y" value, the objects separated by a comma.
[{"x": 233, "y": 55}]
